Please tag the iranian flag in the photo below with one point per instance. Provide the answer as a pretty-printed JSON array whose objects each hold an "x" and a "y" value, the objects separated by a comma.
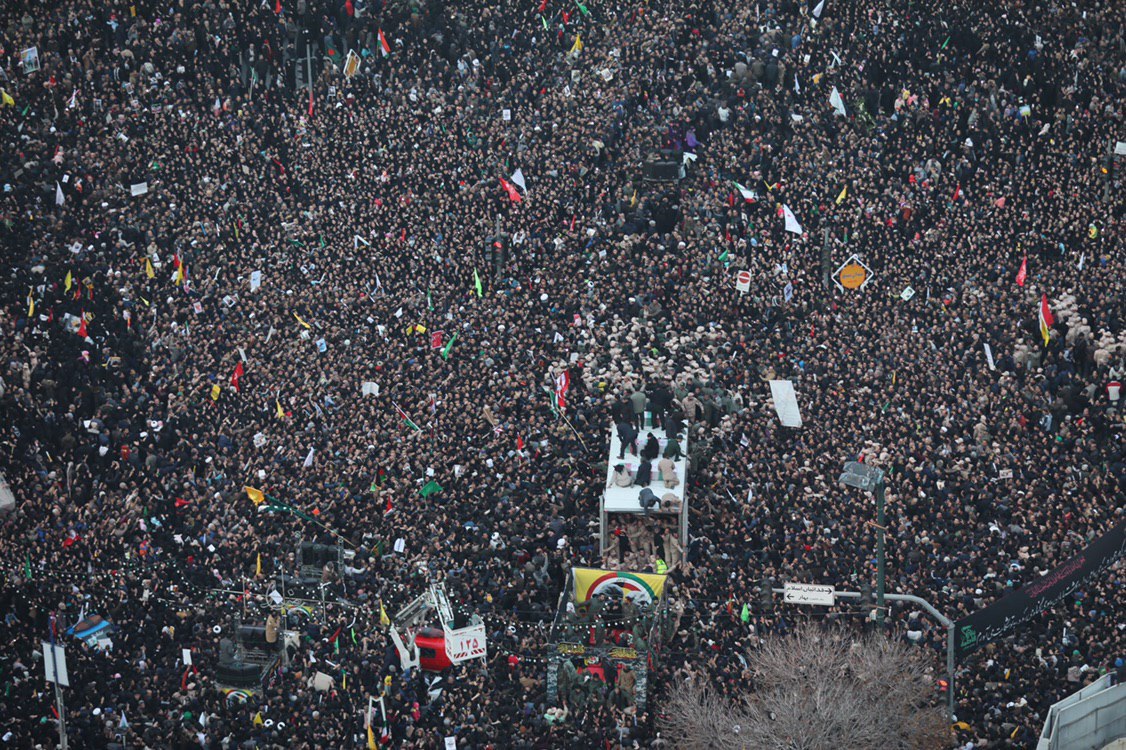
[
  {"x": 383, "y": 45},
  {"x": 562, "y": 385},
  {"x": 406, "y": 420},
  {"x": 750, "y": 196}
]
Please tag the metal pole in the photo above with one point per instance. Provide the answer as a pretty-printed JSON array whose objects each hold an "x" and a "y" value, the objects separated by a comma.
[
  {"x": 59, "y": 705},
  {"x": 950, "y": 672},
  {"x": 880, "y": 524},
  {"x": 825, "y": 257}
]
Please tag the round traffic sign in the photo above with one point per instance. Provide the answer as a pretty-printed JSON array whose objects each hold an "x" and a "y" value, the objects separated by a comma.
[{"x": 744, "y": 278}]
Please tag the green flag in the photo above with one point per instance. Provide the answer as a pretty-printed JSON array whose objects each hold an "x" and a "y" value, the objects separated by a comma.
[
  {"x": 545, "y": 28},
  {"x": 27, "y": 566},
  {"x": 449, "y": 345},
  {"x": 582, "y": 8},
  {"x": 430, "y": 488},
  {"x": 429, "y": 302},
  {"x": 477, "y": 283},
  {"x": 946, "y": 43},
  {"x": 723, "y": 257},
  {"x": 745, "y": 615}
]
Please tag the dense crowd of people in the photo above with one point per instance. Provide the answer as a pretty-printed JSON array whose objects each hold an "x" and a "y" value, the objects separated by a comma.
[{"x": 205, "y": 263}]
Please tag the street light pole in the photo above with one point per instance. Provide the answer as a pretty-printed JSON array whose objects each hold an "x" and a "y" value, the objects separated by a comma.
[
  {"x": 880, "y": 559},
  {"x": 871, "y": 479}
]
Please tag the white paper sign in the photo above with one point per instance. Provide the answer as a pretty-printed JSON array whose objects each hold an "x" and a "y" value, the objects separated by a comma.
[
  {"x": 186, "y": 655},
  {"x": 369, "y": 388},
  {"x": 451, "y": 743},
  {"x": 989, "y": 356},
  {"x": 907, "y": 294},
  {"x": 506, "y": 115},
  {"x": 785, "y": 403},
  {"x": 255, "y": 280},
  {"x": 138, "y": 188}
]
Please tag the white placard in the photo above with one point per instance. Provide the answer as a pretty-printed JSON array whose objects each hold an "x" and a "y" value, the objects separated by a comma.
[
  {"x": 785, "y": 403},
  {"x": 138, "y": 188},
  {"x": 186, "y": 656},
  {"x": 907, "y": 294},
  {"x": 255, "y": 280},
  {"x": 506, "y": 115},
  {"x": 54, "y": 657},
  {"x": 989, "y": 356},
  {"x": 451, "y": 743},
  {"x": 369, "y": 388},
  {"x": 1120, "y": 148},
  {"x": 466, "y": 643},
  {"x": 808, "y": 593},
  {"x": 1005, "y": 474}
]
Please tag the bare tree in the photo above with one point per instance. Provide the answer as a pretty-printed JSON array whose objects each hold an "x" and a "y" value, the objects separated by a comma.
[{"x": 816, "y": 689}]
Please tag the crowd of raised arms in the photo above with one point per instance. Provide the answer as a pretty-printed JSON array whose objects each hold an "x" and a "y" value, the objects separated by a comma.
[{"x": 230, "y": 262}]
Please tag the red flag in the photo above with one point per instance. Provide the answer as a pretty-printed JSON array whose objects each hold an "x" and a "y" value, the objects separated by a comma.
[
  {"x": 387, "y": 508},
  {"x": 310, "y": 101},
  {"x": 277, "y": 7},
  {"x": 383, "y": 44},
  {"x": 1022, "y": 274},
  {"x": 235, "y": 378},
  {"x": 513, "y": 193},
  {"x": 957, "y": 193},
  {"x": 82, "y": 326},
  {"x": 566, "y": 17},
  {"x": 519, "y": 443},
  {"x": 543, "y": 6},
  {"x": 181, "y": 502}
]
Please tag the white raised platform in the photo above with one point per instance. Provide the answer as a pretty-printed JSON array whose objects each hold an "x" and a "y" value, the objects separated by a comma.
[{"x": 624, "y": 499}]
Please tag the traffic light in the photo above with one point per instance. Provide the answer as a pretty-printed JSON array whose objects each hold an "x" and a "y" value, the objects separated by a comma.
[{"x": 765, "y": 596}]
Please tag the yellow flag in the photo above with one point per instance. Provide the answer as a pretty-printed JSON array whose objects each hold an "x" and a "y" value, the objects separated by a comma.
[
  {"x": 68, "y": 282},
  {"x": 30, "y": 305},
  {"x": 8, "y": 100},
  {"x": 843, "y": 195},
  {"x": 371, "y": 739},
  {"x": 384, "y": 620},
  {"x": 280, "y": 411},
  {"x": 299, "y": 320},
  {"x": 148, "y": 269},
  {"x": 256, "y": 496},
  {"x": 577, "y": 47},
  {"x": 344, "y": 681},
  {"x": 258, "y": 567},
  {"x": 258, "y": 719},
  {"x": 180, "y": 273},
  {"x": 215, "y": 389}
]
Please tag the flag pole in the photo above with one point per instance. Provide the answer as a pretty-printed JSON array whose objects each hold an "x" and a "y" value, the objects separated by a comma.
[
  {"x": 577, "y": 435},
  {"x": 61, "y": 706}
]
